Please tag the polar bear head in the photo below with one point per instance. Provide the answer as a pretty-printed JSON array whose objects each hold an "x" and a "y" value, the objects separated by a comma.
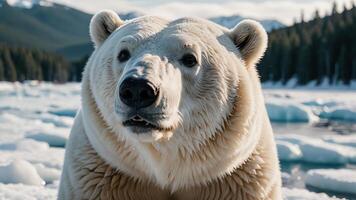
[{"x": 167, "y": 88}]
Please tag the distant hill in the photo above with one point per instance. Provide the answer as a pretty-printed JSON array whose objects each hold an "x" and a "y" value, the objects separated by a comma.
[
  {"x": 64, "y": 30},
  {"x": 45, "y": 27},
  {"x": 20, "y": 64},
  {"x": 76, "y": 51}
]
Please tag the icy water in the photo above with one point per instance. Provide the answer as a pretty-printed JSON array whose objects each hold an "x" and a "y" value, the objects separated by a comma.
[{"x": 296, "y": 171}]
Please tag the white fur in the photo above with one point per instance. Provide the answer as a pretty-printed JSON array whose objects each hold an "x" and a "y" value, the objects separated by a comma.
[{"x": 215, "y": 123}]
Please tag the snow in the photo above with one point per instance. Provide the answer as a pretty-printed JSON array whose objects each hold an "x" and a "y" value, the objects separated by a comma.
[
  {"x": 48, "y": 174},
  {"x": 288, "y": 151},
  {"x": 339, "y": 113},
  {"x": 52, "y": 139},
  {"x": 20, "y": 171},
  {"x": 337, "y": 180},
  {"x": 27, "y": 4},
  {"x": 55, "y": 137},
  {"x": 347, "y": 140},
  {"x": 313, "y": 150},
  {"x": 26, "y": 192},
  {"x": 310, "y": 105},
  {"x": 289, "y": 112},
  {"x": 25, "y": 145},
  {"x": 61, "y": 121},
  {"x": 299, "y": 194},
  {"x": 64, "y": 112},
  {"x": 35, "y": 122}
]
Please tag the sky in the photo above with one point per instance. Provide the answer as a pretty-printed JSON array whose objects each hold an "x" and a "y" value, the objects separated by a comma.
[{"x": 283, "y": 10}]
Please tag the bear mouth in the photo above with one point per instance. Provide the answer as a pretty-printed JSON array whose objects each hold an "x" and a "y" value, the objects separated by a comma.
[{"x": 138, "y": 124}]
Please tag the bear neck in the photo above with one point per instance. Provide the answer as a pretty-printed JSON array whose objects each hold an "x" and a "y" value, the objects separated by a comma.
[{"x": 215, "y": 158}]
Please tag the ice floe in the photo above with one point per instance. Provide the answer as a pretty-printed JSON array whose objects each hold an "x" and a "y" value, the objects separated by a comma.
[
  {"x": 28, "y": 145},
  {"x": 20, "y": 171},
  {"x": 339, "y": 113},
  {"x": 26, "y": 192},
  {"x": 48, "y": 174},
  {"x": 337, "y": 180},
  {"x": 300, "y": 194},
  {"x": 289, "y": 112},
  {"x": 56, "y": 137},
  {"x": 67, "y": 112},
  {"x": 288, "y": 151},
  {"x": 313, "y": 150}
]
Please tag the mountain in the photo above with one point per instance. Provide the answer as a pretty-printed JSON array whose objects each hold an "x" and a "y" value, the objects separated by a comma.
[
  {"x": 63, "y": 30},
  {"x": 47, "y": 27},
  {"x": 231, "y": 21},
  {"x": 26, "y": 3},
  {"x": 77, "y": 51}
]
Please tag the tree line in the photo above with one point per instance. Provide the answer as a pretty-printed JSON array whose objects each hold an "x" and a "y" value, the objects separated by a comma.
[
  {"x": 20, "y": 64},
  {"x": 317, "y": 50},
  {"x": 323, "y": 49}
]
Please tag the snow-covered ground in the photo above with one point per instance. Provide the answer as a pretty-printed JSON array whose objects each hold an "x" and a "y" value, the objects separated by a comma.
[
  {"x": 310, "y": 105},
  {"x": 342, "y": 180},
  {"x": 317, "y": 147}
]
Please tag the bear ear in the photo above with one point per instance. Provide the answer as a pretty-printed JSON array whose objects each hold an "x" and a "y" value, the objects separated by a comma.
[
  {"x": 102, "y": 25},
  {"x": 251, "y": 39}
]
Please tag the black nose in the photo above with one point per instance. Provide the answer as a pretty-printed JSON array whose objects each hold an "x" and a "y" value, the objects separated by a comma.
[{"x": 137, "y": 92}]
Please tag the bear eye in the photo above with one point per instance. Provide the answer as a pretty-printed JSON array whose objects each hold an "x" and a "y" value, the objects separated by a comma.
[
  {"x": 189, "y": 60},
  {"x": 124, "y": 55}
]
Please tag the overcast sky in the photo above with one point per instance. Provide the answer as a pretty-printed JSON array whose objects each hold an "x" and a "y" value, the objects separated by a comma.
[{"x": 282, "y": 10}]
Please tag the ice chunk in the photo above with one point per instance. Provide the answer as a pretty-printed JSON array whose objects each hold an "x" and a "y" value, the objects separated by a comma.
[
  {"x": 67, "y": 112},
  {"x": 48, "y": 174},
  {"x": 10, "y": 118},
  {"x": 20, "y": 171},
  {"x": 300, "y": 194},
  {"x": 337, "y": 180},
  {"x": 347, "y": 140},
  {"x": 26, "y": 192},
  {"x": 318, "y": 151},
  {"x": 59, "y": 121},
  {"x": 321, "y": 103},
  {"x": 28, "y": 145},
  {"x": 340, "y": 113},
  {"x": 289, "y": 112},
  {"x": 288, "y": 151},
  {"x": 56, "y": 137}
]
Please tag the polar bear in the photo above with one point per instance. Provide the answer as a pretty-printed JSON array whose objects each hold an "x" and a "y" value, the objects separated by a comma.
[{"x": 171, "y": 110}]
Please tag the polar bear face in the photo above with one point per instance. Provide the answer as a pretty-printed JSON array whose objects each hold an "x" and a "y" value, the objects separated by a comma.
[{"x": 156, "y": 80}]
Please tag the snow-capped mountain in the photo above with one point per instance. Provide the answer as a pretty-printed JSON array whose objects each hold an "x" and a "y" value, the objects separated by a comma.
[
  {"x": 227, "y": 21},
  {"x": 28, "y": 3},
  {"x": 231, "y": 21},
  {"x": 47, "y": 25}
]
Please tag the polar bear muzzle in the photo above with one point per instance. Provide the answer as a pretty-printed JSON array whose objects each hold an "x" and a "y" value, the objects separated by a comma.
[{"x": 138, "y": 92}]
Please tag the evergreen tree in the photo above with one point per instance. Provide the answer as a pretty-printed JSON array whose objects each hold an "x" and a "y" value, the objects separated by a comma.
[
  {"x": 315, "y": 50},
  {"x": 334, "y": 8},
  {"x": 316, "y": 14},
  {"x": 19, "y": 64},
  {"x": 9, "y": 69},
  {"x": 2, "y": 70}
]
